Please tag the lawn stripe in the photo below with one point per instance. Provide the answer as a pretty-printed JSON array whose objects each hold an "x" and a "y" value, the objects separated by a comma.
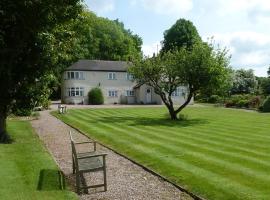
[
  {"x": 243, "y": 150},
  {"x": 150, "y": 137},
  {"x": 234, "y": 165}
]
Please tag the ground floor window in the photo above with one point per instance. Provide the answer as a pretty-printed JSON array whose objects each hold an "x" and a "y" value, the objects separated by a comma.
[
  {"x": 129, "y": 93},
  {"x": 176, "y": 93},
  {"x": 112, "y": 93},
  {"x": 179, "y": 92},
  {"x": 75, "y": 91}
]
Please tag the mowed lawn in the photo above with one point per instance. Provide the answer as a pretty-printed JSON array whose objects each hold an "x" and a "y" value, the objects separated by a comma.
[
  {"x": 216, "y": 153},
  {"x": 28, "y": 172}
]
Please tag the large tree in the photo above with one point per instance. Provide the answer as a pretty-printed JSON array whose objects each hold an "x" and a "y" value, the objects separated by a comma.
[
  {"x": 25, "y": 27},
  {"x": 199, "y": 68},
  {"x": 244, "y": 82},
  {"x": 182, "y": 34},
  {"x": 104, "y": 39}
]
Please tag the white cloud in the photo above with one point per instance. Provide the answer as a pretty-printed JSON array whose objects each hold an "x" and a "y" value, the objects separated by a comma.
[
  {"x": 229, "y": 6},
  {"x": 100, "y": 6},
  {"x": 166, "y": 7},
  {"x": 248, "y": 49},
  {"x": 150, "y": 49},
  {"x": 255, "y": 10}
]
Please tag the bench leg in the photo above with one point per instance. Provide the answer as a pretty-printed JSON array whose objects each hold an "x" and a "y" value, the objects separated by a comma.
[
  {"x": 84, "y": 183},
  {"x": 104, "y": 174},
  {"x": 73, "y": 166},
  {"x": 78, "y": 190}
]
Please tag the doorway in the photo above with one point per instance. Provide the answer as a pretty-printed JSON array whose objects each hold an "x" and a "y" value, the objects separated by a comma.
[{"x": 148, "y": 95}]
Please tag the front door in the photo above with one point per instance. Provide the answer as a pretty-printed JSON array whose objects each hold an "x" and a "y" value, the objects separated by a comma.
[{"x": 148, "y": 95}]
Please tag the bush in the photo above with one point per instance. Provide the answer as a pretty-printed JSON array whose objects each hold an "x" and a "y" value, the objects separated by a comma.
[
  {"x": 95, "y": 96},
  {"x": 266, "y": 105},
  {"x": 243, "y": 103},
  {"x": 214, "y": 99},
  {"x": 22, "y": 111},
  {"x": 229, "y": 103},
  {"x": 255, "y": 102}
]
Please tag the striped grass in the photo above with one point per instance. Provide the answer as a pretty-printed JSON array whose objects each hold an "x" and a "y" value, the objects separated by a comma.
[{"x": 216, "y": 153}]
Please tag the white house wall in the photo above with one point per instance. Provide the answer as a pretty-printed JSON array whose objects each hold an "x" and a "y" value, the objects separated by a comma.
[{"x": 99, "y": 79}]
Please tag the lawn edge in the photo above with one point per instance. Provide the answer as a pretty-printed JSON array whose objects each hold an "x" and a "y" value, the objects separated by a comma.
[
  {"x": 69, "y": 186},
  {"x": 194, "y": 196}
]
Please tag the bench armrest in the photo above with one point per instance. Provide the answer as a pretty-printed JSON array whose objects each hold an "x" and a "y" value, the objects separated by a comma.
[{"x": 92, "y": 156}]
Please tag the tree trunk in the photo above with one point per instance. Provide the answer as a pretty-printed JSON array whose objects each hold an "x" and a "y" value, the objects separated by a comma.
[
  {"x": 173, "y": 114},
  {"x": 190, "y": 95},
  {"x": 4, "y": 138}
]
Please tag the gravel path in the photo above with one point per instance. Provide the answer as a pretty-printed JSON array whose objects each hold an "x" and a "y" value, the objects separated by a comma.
[{"x": 126, "y": 180}]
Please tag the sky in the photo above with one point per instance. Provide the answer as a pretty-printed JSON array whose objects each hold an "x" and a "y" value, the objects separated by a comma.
[{"x": 242, "y": 26}]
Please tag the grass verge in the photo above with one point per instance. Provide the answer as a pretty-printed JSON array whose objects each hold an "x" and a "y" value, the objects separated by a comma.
[{"x": 27, "y": 169}]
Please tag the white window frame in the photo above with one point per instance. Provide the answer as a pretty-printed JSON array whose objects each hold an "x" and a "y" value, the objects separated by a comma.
[
  {"x": 112, "y": 93},
  {"x": 176, "y": 93},
  {"x": 111, "y": 76},
  {"x": 75, "y": 92},
  {"x": 129, "y": 77},
  {"x": 74, "y": 75},
  {"x": 130, "y": 93}
]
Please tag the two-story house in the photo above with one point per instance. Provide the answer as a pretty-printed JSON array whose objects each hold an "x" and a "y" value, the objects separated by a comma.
[{"x": 115, "y": 82}]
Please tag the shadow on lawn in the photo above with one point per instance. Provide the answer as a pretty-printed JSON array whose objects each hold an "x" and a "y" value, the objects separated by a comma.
[
  {"x": 50, "y": 179},
  {"x": 145, "y": 121}
]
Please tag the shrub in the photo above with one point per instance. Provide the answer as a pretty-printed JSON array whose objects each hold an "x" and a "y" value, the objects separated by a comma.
[
  {"x": 214, "y": 99},
  {"x": 255, "y": 102},
  {"x": 95, "y": 96},
  {"x": 243, "y": 103},
  {"x": 22, "y": 111},
  {"x": 266, "y": 105},
  {"x": 229, "y": 103}
]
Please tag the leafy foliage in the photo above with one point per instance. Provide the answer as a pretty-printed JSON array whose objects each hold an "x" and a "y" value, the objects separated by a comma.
[
  {"x": 104, "y": 39},
  {"x": 182, "y": 34},
  {"x": 23, "y": 38},
  {"x": 244, "y": 82},
  {"x": 198, "y": 68},
  {"x": 95, "y": 96},
  {"x": 266, "y": 105},
  {"x": 264, "y": 85}
]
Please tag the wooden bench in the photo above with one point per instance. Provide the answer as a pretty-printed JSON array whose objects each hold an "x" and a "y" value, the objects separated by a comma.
[{"x": 85, "y": 162}]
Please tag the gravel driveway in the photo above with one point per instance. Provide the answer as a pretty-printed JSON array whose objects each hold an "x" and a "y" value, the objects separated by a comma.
[{"x": 126, "y": 180}]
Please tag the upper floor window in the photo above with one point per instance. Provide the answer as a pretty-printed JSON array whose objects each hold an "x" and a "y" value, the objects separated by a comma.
[
  {"x": 112, "y": 76},
  {"x": 75, "y": 91},
  {"x": 129, "y": 76},
  {"x": 74, "y": 75},
  {"x": 112, "y": 93},
  {"x": 129, "y": 93}
]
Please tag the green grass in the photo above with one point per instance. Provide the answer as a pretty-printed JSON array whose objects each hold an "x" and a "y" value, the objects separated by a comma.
[
  {"x": 27, "y": 169},
  {"x": 216, "y": 153}
]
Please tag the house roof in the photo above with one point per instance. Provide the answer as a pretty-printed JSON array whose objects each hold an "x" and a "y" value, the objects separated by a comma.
[{"x": 99, "y": 65}]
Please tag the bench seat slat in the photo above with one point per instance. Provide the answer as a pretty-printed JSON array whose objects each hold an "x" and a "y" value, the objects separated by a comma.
[{"x": 88, "y": 164}]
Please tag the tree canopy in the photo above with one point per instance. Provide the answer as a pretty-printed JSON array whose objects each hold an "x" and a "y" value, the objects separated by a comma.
[
  {"x": 24, "y": 27},
  {"x": 182, "y": 34},
  {"x": 244, "y": 82},
  {"x": 201, "y": 67}
]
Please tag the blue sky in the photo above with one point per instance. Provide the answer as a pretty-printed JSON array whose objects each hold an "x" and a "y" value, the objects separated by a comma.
[{"x": 243, "y": 26}]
